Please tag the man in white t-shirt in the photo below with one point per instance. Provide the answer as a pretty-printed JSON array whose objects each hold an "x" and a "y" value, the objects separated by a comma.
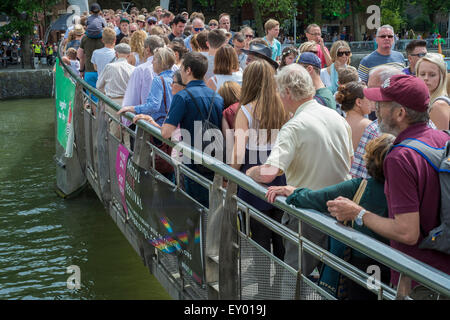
[
  {"x": 313, "y": 149},
  {"x": 101, "y": 57}
]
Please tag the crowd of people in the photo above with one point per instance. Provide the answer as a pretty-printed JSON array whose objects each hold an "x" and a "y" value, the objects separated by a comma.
[{"x": 300, "y": 120}]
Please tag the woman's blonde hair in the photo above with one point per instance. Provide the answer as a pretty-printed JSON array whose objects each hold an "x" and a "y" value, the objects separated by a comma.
[
  {"x": 335, "y": 49},
  {"x": 230, "y": 91},
  {"x": 165, "y": 57},
  {"x": 137, "y": 43},
  {"x": 307, "y": 46},
  {"x": 436, "y": 59},
  {"x": 259, "y": 88}
]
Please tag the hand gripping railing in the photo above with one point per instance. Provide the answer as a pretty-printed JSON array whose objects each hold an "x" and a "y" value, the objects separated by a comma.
[{"x": 406, "y": 265}]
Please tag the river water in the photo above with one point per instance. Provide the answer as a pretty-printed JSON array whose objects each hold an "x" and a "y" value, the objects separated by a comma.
[{"x": 41, "y": 234}]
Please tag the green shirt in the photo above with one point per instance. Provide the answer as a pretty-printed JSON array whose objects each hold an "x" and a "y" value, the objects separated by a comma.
[
  {"x": 327, "y": 97},
  {"x": 373, "y": 200}
]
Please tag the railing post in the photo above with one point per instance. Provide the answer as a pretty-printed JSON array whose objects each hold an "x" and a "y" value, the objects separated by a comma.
[
  {"x": 142, "y": 151},
  {"x": 102, "y": 153},
  {"x": 213, "y": 238},
  {"x": 229, "y": 248}
]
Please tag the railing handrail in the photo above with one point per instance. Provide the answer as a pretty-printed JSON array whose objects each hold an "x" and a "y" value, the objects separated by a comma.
[{"x": 392, "y": 258}]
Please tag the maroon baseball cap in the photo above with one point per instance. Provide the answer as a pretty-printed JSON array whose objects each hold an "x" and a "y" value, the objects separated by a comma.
[{"x": 409, "y": 91}]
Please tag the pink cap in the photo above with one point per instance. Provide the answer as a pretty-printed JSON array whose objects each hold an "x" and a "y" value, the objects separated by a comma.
[{"x": 409, "y": 91}]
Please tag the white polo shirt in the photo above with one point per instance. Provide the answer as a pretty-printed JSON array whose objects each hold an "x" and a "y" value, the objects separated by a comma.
[{"x": 314, "y": 148}]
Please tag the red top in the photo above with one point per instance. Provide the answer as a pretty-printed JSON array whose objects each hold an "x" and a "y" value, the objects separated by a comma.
[
  {"x": 230, "y": 114},
  {"x": 412, "y": 185},
  {"x": 321, "y": 55}
]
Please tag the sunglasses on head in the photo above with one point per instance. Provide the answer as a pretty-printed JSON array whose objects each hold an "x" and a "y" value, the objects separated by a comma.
[
  {"x": 384, "y": 36},
  {"x": 347, "y": 53}
]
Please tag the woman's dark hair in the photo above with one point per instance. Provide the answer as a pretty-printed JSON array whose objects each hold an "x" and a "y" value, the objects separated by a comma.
[
  {"x": 348, "y": 93},
  {"x": 178, "y": 47},
  {"x": 376, "y": 151}
]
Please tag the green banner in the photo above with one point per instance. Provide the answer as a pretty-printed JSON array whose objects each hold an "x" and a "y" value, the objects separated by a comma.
[{"x": 64, "y": 96}]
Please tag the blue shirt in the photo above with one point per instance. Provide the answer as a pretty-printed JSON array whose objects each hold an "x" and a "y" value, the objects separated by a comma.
[
  {"x": 375, "y": 59},
  {"x": 155, "y": 106},
  {"x": 187, "y": 42},
  {"x": 183, "y": 111},
  {"x": 276, "y": 48}
]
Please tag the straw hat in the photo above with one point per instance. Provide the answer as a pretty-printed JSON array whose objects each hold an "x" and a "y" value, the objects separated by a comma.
[{"x": 78, "y": 29}]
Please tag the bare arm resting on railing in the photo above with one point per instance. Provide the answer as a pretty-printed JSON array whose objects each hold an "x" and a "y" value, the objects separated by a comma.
[{"x": 403, "y": 228}]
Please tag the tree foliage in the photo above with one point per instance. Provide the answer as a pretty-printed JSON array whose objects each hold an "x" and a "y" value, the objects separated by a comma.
[{"x": 23, "y": 14}]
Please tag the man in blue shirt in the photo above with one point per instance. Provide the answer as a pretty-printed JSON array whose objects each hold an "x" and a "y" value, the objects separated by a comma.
[
  {"x": 383, "y": 55},
  {"x": 184, "y": 112}
]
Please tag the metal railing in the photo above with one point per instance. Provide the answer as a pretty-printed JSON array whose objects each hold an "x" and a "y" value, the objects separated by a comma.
[{"x": 232, "y": 260}]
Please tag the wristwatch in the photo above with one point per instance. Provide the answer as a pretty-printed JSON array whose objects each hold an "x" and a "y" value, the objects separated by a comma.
[{"x": 359, "y": 217}]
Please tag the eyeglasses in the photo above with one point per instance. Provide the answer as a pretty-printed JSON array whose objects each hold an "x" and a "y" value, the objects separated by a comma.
[
  {"x": 199, "y": 29},
  {"x": 250, "y": 36},
  {"x": 315, "y": 34},
  {"x": 347, "y": 53},
  {"x": 384, "y": 36},
  {"x": 213, "y": 24},
  {"x": 420, "y": 55}
]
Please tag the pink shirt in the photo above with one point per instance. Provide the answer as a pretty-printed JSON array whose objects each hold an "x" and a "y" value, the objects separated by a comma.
[
  {"x": 321, "y": 55},
  {"x": 412, "y": 185}
]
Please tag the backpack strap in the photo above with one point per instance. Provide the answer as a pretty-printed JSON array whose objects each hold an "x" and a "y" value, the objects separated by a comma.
[
  {"x": 431, "y": 154},
  {"x": 195, "y": 102}
]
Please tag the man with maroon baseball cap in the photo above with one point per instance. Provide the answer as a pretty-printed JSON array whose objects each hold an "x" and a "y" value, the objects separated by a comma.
[{"x": 412, "y": 185}]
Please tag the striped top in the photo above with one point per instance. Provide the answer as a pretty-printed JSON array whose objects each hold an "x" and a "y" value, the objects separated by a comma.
[{"x": 395, "y": 59}]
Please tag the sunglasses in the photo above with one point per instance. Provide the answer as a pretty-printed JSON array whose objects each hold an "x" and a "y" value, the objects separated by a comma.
[
  {"x": 213, "y": 24},
  {"x": 390, "y": 36},
  {"x": 347, "y": 53},
  {"x": 249, "y": 36},
  {"x": 420, "y": 55},
  {"x": 198, "y": 29},
  {"x": 151, "y": 22}
]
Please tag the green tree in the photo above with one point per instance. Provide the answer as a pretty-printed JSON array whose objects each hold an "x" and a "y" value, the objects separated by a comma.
[
  {"x": 277, "y": 9},
  {"x": 431, "y": 7},
  {"x": 23, "y": 17},
  {"x": 392, "y": 13}
]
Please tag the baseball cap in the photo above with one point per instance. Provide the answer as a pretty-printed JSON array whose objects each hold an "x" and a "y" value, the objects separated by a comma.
[
  {"x": 95, "y": 7},
  {"x": 407, "y": 90},
  {"x": 309, "y": 58},
  {"x": 124, "y": 19}
]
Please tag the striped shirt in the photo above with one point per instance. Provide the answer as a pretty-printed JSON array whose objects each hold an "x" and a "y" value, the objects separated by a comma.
[{"x": 395, "y": 59}]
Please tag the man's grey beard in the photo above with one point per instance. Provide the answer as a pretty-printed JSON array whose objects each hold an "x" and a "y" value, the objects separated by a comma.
[{"x": 387, "y": 126}]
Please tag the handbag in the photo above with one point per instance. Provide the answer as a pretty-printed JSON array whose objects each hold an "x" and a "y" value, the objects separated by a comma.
[
  {"x": 331, "y": 280},
  {"x": 162, "y": 165}
]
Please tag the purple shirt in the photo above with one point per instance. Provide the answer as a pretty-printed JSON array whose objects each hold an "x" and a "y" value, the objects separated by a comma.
[
  {"x": 408, "y": 72},
  {"x": 412, "y": 185}
]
